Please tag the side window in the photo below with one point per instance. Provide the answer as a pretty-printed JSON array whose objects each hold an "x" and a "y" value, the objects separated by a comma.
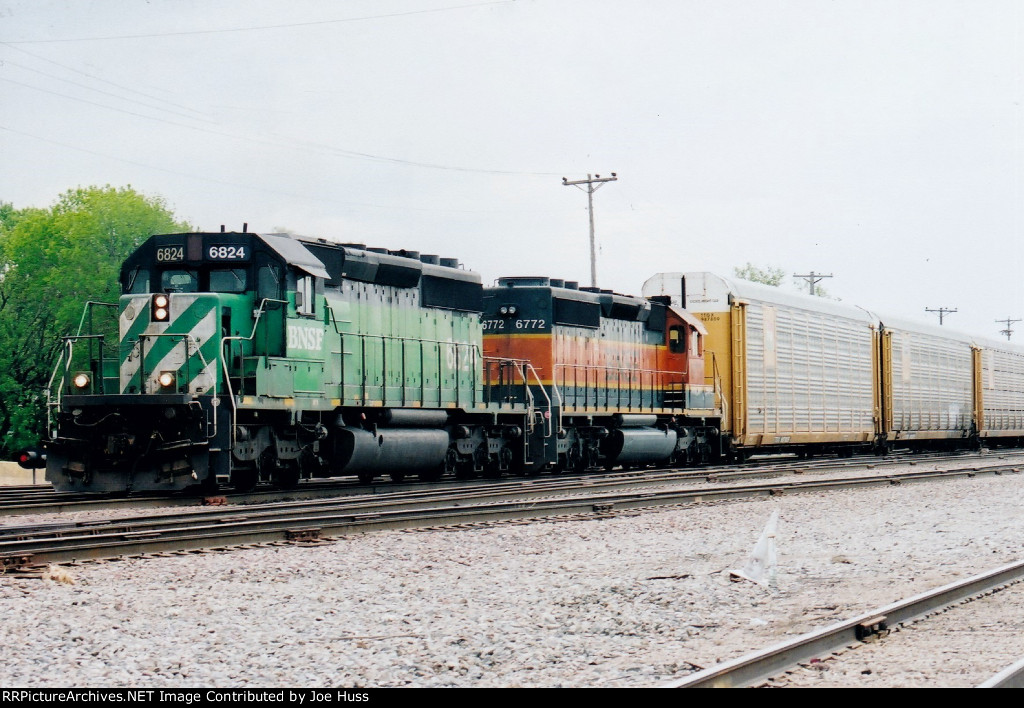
[
  {"x": 304, "y": 295},
  {"x": 136, "y": 281},
  {"x": 676, "y": 339},
  {"x": 695, "y": 342},
  {"x": 268, "y": 282}
]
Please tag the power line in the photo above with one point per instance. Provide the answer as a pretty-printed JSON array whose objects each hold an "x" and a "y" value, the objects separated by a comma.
[
  {"x": 252, "y": 187},
  {"x": 100, "y": 79},
  {"x": 942, "y": 312},
  {"x": 352, "y": 154},
  {"x": 1009, "y": 330},
  {"x": 590, "y": 182},
  {"x": 257, "y": 28},
  {"x": 812, "y": 279},
  {"x": 100, "y": 91}
]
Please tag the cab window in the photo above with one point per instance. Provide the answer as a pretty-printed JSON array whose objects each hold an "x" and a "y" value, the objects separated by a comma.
[
  {"x": 136, "y": 281},
  {"x": 268, "y": 282},
  {"x": 695, "y": 343},
  {"x": 179, "y": 281},
  {"x": 676, "y": 339},
  {"x": 304, "y": 295},
  {"x": 228, "y": 280}
]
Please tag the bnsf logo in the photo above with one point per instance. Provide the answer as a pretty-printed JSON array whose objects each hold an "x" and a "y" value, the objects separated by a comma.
[{"x": 309, "y": 338}]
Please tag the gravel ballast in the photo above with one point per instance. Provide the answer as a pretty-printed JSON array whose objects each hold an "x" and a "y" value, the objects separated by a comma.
[{"x": 631, "y": 600}]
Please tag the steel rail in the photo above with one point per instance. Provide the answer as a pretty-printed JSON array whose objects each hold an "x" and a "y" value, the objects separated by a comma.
[
  {"x": 215, "y": 527},
  {"x": 1010, "y": 677},
  {"x": 757, "y": 667},
  {"x": 41, "y": 499},
  {"x": 602, "y": 489}
]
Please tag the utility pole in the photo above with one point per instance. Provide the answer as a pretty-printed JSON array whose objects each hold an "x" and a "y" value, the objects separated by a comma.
[
  {"x": 812, "y": 279},
  {"x": 1008, "y": 331},
  {"x": 942, "y": 312},
  {"x": 593, "y": 183}
]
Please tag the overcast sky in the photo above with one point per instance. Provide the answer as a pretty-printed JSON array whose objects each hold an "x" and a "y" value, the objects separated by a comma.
[{"x": 877, "y": 141}]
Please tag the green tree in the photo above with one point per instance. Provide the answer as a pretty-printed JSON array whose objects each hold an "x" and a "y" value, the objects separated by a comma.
[
  {"x": 768, "y": 276},
  {"x": 52, "y": 261}
]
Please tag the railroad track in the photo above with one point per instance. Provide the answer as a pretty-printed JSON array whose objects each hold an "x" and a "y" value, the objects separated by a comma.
[
  {"x": 42, "y": 499},
  {"x": 310, "y": 520},
  {"x": 760, "y": 667}
]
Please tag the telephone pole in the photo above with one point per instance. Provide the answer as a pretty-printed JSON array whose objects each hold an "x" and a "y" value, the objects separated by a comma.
[
  {"x": 942, "y": 312},
  {"x": 1008, "y": 331},
  {"x": 593, "y": 183},
  {"x": 812, "y": 279}
]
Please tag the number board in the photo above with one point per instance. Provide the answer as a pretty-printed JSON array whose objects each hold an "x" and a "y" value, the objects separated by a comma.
[
  {"x": 217, "y": 252},
  {"x": 170, "y": 254}
]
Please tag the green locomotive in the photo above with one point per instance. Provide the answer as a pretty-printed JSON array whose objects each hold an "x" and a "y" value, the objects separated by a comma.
[{"x": 243, "y": 357}]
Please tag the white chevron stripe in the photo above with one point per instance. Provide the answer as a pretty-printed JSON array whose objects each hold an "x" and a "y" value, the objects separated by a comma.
[{"x": 179, "y": 353}]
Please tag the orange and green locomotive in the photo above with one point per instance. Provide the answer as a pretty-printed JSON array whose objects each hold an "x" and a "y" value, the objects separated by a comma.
[{"x": 623, "y": 376}]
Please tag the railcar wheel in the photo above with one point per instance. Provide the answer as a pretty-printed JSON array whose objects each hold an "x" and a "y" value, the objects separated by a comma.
[
  {"x": 432, "y": 475},
  {"x": 244, "y": 479},
  {"x": 397, "y": 476},
  {"x": 365, "y": 477},
  {"x": 464, "y": 470},
  {"x": 286, "y": 476}
]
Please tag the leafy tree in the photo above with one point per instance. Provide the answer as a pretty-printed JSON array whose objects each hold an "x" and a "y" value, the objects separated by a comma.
[
  {"x": 52, "y": 261},
  {"x": 768, "y": 276}
]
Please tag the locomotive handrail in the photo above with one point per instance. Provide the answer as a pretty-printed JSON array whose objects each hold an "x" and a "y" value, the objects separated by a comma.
[
  {"x": 547, "y": 419},
  {"x": 65, "y": 363},
  {"x": 524, "y": 368},
  {"x": 716, "y": 378},
  {"x": 658, "y": 376},
  {"x": 87, "y": 312},
  {"x": 256, "y": 315}
]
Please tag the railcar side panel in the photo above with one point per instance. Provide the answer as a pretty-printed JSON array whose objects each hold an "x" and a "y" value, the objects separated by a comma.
[
  {"x": 795, "y": 370},
  {"x": 930, "y": 393},
  {"x": 1000, "y": 390}
]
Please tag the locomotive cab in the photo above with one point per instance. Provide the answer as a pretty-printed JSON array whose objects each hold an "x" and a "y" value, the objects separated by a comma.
[{"x": 149, "y": 411}]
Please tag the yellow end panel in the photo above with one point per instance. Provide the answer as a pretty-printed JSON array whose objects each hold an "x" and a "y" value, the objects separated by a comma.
[
  {"x": 739, "y": 369},
  {"x": 886, "y": 376},
  {"x": 876, "y": 384},
  {"x": 718, "y": 358},
  {"x": 979, "y": 388}
]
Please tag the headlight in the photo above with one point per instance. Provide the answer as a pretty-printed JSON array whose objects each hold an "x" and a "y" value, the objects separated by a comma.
[
  {"x": 81, "y": 381},
  {"x": 160, "y": 303},
  {"x": 166, "y": 379}
]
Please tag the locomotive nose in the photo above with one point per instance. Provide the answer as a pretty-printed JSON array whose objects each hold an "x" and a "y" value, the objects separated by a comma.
[{"x": 169, "y": 342}]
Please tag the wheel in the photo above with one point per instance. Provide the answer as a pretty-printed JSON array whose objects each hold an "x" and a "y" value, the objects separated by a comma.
[
  {"x": 397, "y": 476},
  {"x": 464, "y": 470},
  {"x": 366, "y": 476},
  {"x": 286, "y": 476},
  {"x": 244, "y": 479},
  {"x": 432, "y": 475}
]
